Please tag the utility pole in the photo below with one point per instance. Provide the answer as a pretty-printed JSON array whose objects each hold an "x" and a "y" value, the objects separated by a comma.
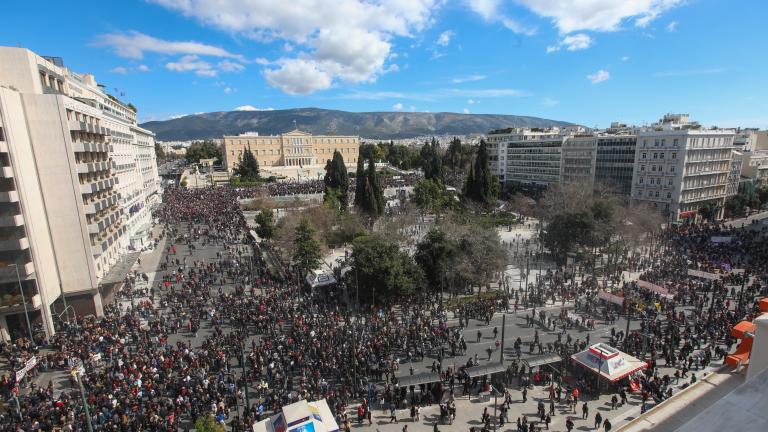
[
  {"x": 76, "y": 374},
  {"x": 741, "y": 293},
  {"x": 503, "y": 327},
  {"x": 246, "y": 411}
]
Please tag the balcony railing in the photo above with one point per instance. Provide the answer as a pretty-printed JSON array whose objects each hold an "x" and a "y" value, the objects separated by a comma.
[
  {"x": 9, "y": 196},
  {"x": 11, "y": 221},
  {"x": 14, "y": 244}
]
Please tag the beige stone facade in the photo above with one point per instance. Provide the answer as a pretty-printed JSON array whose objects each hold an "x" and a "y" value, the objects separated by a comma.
[{"x": 295, "y": 148}]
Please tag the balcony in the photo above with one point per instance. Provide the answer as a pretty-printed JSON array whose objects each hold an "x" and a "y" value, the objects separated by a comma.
[
  {"x": 6, "y": 172},
  {"x": 13, "y": 244},
  {"x": 8, "y": 271},
  {"x": 85, "y": 146},
  {"x": 100, "y": 225},
  {"x": 97, "y": 185},
  {"x": 3, "y": 145},
  {"x": 75, "y": 125},
  {"x": 11, "y": 221},
  {"x": 101, "y": 204},
  {"x": 91, "y": 167},
  {"x": 9, "y": 196}
]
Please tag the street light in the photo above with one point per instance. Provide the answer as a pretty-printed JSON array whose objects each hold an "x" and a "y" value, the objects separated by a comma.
[{"x": 23, "y": 302}]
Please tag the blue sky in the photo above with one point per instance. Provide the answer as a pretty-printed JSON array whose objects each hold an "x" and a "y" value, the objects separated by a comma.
[{"x": 585, "y": 61}]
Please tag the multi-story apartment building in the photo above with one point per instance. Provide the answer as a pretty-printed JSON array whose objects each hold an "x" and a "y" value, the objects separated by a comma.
[
  {"x": 755, "y": 166},
  {"x": 734, "y": 175},
  {"x": 579, "y": 155},
  {"x": 526, "y": 157},
  {"x": 63, "y": 223},
  {"x": 681, "y": 168},
  {"x": 615, "y": 161},
  {"x": 294, "y": 149}
]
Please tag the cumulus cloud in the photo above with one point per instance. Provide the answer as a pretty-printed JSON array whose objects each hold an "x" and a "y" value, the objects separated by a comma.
[
  {"x": 397, "y": 107},
  {"x": 574, "y": 42},
  {"x": 142, "y": 68},
  {"x": 466, "y": 110},
  {"x": 135, "y": 44},
  {"x": 599, "y": 77},
  {"x": 470, "y": 78},
  {"x": 127, "y": 69},
  {"x": 298, "y": 77},
  {"x": 472, "y": 101},
  {"x": 598, "y": 15},
  {"x": 122, "y": 70},
  {"x": 445, "y": 38},
  {"x": 230, "y": 66},
  {"x": 252, "y": 108},
  {"x": 344, "y": 40},
  {"x": 490, "y": 11},
  {"x": 229, "y": 90},
  {"x": 625, "y": 58},
  {"x": 192, "y": 63}
]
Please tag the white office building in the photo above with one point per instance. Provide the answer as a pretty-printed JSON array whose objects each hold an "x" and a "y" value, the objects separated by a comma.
[{"x": 69, "y": 153}]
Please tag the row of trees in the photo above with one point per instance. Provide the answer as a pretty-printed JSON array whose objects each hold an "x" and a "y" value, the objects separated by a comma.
[
  {"x": 750, "y": 196},
  {"x": 455, "y": 159},
  {"x": 369, "y": 196},
  {"x": 203, "y": 150}
]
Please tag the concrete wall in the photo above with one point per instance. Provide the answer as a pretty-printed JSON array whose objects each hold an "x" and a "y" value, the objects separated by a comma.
[{"x": 49, "y": 133}]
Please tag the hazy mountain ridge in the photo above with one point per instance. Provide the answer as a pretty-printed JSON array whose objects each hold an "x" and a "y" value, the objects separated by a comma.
[{"x": 378, "y": 125}]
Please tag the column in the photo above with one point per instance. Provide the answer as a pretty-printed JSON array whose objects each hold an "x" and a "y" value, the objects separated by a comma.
[{"x": 97, "y": 305}]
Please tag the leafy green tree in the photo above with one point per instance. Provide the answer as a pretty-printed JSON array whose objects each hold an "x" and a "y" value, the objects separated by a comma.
[
  {"x": 431, "y": 196},
  {"x": 435, "y": 254},
  {"x": 266, "y": 221},
  {"x": 208, "y": 423},
  {"x": 306, "y": 255},
  {"x": 481, "y": 186},
  {"x": 431, "y": 162},
  {"x": 382, "y": 270},
  {"x": 159, "y": 152},
  {"x": 248, "y": 167},
  {"x": 709, "y": 211},
  {"x": 360, "y": 181},
  {"x": 453, "y": 156},
  {"x": 336, "y": 182},
  {"x": 203, "y": 150}
]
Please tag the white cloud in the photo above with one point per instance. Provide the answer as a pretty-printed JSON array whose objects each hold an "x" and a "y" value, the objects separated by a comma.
[
  {"x": 230, "y": 66},
  {"x": 122, "y": 70},
  {"x": 436, "y": 55},
  {"x": 574, "y": 42},
  {"x": 625, "y": 58},
  {"x": 127, "y": 69},
  {"x": 466, "y": 110},
  {"x": 597, "y": 15},
  {"x": 397, "y": 107},
  {"x": 142, "y": 68},
  {"x": 252, "y": 108},
  {"x": 333, "y": 40},
  {"x": 192, "y": 63},
  {"x": 671, "y": 27},
  {"x": 135, "y": 44},
  {"x": 262, "y": 61},
  {"x": 599, "y": 76},
  {"x": 472, "y": 101},
  {"x": 470, "y": 78},
  {"x": 688, "y": 73},
  {"x": 174, "y": 117},
  {"x": 445, "y": 38},
  {"x": 298, "y": 77},
  {"x": 229, "y": 90},
  {"x": 490, "y": 11}
]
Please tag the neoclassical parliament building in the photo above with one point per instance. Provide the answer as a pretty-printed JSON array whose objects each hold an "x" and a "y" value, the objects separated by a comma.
[{"x": 294, "y": 148}]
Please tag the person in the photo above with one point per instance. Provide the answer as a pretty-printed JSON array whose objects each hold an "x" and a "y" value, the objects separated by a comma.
[
  {"x": 418, "y": 412},
  {"x": 392, "y": 414},
  {"x": 569, "y": 424},
  {"x": 525, "y": 394},
  {"x": 548, "y": 420},
  {"x": 607, "y": 425},
  {"x": 413, "y": 413},
  {"x": 598, "y": 420},
  {"x": 479, "y": 335},
  {"x": 584, "y": 411},
  {"x": 614, "y": 401},
  {"x": 405, "y": 428}
]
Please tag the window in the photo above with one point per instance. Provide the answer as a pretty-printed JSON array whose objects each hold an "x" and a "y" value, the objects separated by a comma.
[
  {"x": 672, "y": 168},
  {"x": 675, "y": 142},
  {"x": 661, "y": 155},
  {"x": 655, "y": 155},
  {"x": 656, "y": 143},
  {"x": 674, "y": 155},
  {"x": 644, "y": 155},
  {"x": 670, "y": 182},
  {"x": 642, "y": 167},
  {"x": 669, "y": 195}
]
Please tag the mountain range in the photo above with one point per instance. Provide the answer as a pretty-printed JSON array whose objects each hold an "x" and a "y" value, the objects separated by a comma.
[{"x": 372, "y": 125}]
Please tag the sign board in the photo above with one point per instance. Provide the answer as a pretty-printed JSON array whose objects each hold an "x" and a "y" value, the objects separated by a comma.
[
  {"x": 720, "y": 239},
  {"x": 703, "y": 274},
  {"x": 28, "y": 365}
]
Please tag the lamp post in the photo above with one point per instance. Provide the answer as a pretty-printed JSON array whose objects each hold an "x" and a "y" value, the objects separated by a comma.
[{"x": 24, "y": 303}]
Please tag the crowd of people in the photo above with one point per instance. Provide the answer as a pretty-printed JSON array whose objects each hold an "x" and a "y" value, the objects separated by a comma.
[{"x": 234, "y": 336}]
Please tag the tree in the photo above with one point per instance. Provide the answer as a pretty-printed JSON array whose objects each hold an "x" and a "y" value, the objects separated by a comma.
[
  {"x": 132, "y": 107},
  {"x": 208, "y": 423},
  {"x": 481, "y": 187},
  {"x": 360, "y": 180},
  {"x": 431, "y": 196},
  {"x": 266, "y": 222},
  {"x": 159, "y": 152},
  {"x": 435, "y": 254},
  {"x": 248, "y": 167},
  {"x": 709, "y": 211},
  {"x": 480, "y": 257},
  {"x": 382, "y": 270},
  {"x": 203, "y": 150},
  {"x": 306, "y": 255},
  {"x": 431, "y": 162},
  {"x": 373, "y": 203},
  {"x": 566, "y": 231},
  {"x": 336, "y": 183}
]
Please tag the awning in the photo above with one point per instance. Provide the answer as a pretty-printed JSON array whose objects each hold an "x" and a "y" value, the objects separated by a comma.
[
  {"x": 703, "y": 274},
  {"x": 611, "y": 298},
  {"x": 478, "y": 371},
  {"x": 120, "y": 269},
  {"x": 418, "y": 379},
  {"x": 541, "y": 360},
  {"x": 608, "y": 362},
  {"x": 652, "y": 287}
]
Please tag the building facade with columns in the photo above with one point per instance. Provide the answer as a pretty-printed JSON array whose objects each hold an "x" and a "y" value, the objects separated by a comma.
[{"x": 294, "y": 148}]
